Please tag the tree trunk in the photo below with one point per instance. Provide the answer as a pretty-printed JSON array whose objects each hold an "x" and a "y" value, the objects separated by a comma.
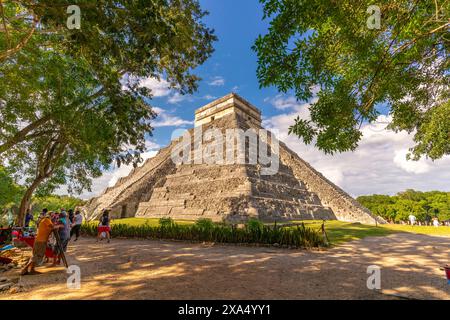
[
  {"x": 26, "y": 201},
  {"x": 47, "y": 162}
]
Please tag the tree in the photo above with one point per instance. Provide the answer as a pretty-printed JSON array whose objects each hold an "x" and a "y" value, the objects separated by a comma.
[
  {"x": 55, "y": 202},
  {"x": 57, "y": 161},
  {"x": 10, "y": 191},
  {"x": 86, "y": 131},
  {"x": 424, "y": 205},
  {"x": 70, "y": 103},
  {"x": 117, "y": 38},
  {"x": 328, "y": 46}
]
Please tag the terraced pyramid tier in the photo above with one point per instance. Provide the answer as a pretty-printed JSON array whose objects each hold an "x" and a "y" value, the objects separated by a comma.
[{"x": 228, "y": 191}]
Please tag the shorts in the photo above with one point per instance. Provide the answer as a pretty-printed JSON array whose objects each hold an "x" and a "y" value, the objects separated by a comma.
[{"x": 39, "y": 252}]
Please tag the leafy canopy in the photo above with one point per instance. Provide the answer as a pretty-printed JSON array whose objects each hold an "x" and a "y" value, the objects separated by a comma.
[
  {"x": 327, "y": 46},
  {"x": 10, "y": 191},
  {"x": 70, "y": 103},
  {"x": 118, "y": 40}
]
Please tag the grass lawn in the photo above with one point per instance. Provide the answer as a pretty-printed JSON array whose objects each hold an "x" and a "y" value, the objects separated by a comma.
[
  {"x": 339, "y": 231},
  {"x": 432, "y": 231}
]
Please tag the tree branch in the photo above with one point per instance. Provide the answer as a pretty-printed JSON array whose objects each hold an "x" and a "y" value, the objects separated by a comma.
[
  {"x": 22, "y": 135},
  {"x": 8, "y": 39},
  {"x": 21, "y": 44}
]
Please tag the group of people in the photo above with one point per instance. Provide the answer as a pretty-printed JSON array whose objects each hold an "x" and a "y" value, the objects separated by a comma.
[
  {"x": 67, "y": 224},
  {"x": 428, "y": 221}
]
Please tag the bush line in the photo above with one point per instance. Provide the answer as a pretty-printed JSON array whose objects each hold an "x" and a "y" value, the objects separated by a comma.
[{"x": 204, "y": 230}]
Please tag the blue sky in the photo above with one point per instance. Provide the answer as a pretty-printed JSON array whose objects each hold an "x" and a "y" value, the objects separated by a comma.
[
  {"x": 233, "y": 64},
  {"x": 379, "y": 165}
]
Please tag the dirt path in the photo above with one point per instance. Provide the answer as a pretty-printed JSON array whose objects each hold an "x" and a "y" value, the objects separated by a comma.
[{"x": 142, "y": 269}]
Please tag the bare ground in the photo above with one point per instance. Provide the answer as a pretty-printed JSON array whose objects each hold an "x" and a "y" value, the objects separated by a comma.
[{"x": 144, "y": 269}]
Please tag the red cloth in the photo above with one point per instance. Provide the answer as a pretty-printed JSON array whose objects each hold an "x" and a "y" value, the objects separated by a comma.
[
  {"x": 30, "y": 242},
  {"x": 103, "y": 229}
]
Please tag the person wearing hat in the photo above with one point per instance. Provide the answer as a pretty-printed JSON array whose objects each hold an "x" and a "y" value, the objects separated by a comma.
[
  {"x": 40, "y": 244},
  {"x": 64, "y": 236},
  {"x": 42, "y": 215}
]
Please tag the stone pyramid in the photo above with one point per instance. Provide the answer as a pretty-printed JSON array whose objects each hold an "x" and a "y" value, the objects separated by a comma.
[{"x": 234, "y": 192}]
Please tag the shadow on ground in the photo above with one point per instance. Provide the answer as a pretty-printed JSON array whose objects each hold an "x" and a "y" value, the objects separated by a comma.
[{"x": 144, "y": 269}]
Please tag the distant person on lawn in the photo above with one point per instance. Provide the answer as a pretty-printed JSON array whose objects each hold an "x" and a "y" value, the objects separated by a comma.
[
  {"x": 435, "y": 222},
  {"x": 76, "y": 225},
  {"x": 412, "y": 219},
  {"x": 40, "y": 244}
]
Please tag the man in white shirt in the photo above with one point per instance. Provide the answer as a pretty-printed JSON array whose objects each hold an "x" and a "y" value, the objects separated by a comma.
[
  {"x": 435, "y": 222},
  {"x": 76, "y": 226},
  {"x": 412, "y": 219}
]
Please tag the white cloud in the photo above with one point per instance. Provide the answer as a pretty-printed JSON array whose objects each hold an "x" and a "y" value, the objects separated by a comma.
[
  {"x": 282, "y": 102},
  {"x": 165, "y": 119},
  {"x": 177, "y": 98},
  {"x": 159, "y": 88},
  {"x": 123, "y": 171},
  {"x": 110, "y": 177},
  {"x": 209, "y": 97},
  {"x": 217, "y": 81},
  {"x": 420, "y": 166},
  {"x": 378, "y": 165}
]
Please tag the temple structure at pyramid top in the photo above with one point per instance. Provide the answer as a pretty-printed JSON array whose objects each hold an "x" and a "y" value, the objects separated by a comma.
[
  {"x": 230, "y": 104},
  {"x": 228, "y": 191}
]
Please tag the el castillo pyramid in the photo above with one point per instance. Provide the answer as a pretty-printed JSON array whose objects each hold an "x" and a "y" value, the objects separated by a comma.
[{"x": 234, "y": 192}]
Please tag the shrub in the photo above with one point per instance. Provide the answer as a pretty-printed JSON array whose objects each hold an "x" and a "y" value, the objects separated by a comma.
[
  {"x": 204, "y": 223},
  {"x": 165, "y": 222},
  {"x": 254, "y": 225},
  {"x": 204, "y": 230}
]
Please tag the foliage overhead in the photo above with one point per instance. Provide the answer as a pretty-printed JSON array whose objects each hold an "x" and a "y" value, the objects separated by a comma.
[
  {"x": 10, "y": 191},
  {"x": 119, "y": 42},
  {"x": 71, "y": 101},
  {"x": 327, "y": 47}
]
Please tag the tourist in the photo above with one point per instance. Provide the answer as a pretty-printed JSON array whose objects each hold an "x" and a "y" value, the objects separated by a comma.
[
  {"x": 76, "y": 225},
  {"x": 42, "y": 215},
  {"x": 71, "y": 215},
  {"x": 63, "y": 212},
  {"x": 28, "y": 218},
  {"x": 40, "y": 244},
  {"x": 435, "y": 222},
  {"x": 104, "y": 226},
  {"x": 64, "y": 234},
  {"x": 412, "y": 219}
]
